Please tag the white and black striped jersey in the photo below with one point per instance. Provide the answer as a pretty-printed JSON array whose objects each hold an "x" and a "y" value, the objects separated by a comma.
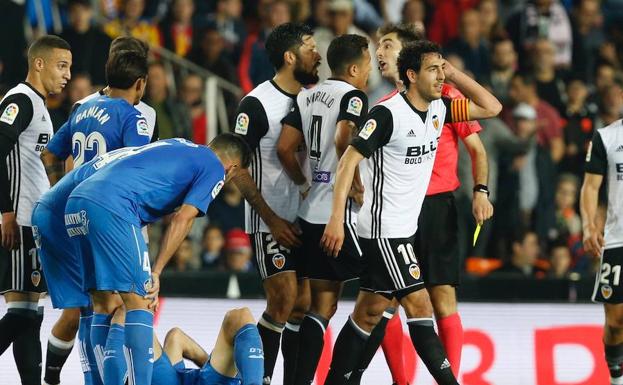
[
  {"x": 400, "y": 143},
  {"x": 25, "y": 129},
  {"x": 258, "y": 120},
  {"x": 316, "y": 113},
  {"x": 605, "y": 157},
  {"x": 146, "y": 110}
]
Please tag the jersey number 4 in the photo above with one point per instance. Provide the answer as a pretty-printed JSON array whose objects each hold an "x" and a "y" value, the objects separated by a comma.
[{"x": 314, "y": 137}]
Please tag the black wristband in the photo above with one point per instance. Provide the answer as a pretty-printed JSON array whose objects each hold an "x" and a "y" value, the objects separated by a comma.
[{"x": 481, "y": 188}]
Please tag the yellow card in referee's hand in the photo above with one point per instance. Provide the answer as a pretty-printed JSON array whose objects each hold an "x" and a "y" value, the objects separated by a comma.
[{"x": 476, "y": 233}]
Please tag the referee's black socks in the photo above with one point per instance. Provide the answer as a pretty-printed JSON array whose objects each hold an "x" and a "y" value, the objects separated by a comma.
[{"x": 428, "y": 346}]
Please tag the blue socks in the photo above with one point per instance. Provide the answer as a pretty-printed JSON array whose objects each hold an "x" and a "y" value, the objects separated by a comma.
[
  {"x": 248, "y": 355},
  {"x": 114, "y": 359},
  {"x": 139, "y": 343},
  {"x": 100, "y": 325},
  {"x": 85, "y": 349}
]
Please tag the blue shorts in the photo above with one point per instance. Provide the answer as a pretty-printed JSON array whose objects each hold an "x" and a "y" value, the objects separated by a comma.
[
  {"x": 167, "y": 374},
  {"x": 60, "y": 259},
  {"x": 113, "y": 251}
]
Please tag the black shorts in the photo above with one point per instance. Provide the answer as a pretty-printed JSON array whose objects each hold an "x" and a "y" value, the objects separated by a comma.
[
  {"x": 437, "y": 241},
  {"x": 390, "y": 267},
  {"x": 272, "y": 258},
  {"x": 609, "y": 283},
  {"x": 318, "y": 265},
  {"x": 20, "y": 269}
]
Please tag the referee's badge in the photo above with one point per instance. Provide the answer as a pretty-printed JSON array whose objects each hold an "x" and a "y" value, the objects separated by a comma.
[
  {"x": 606, "y": 291},
  {"x": 435, "y": 122},
  {"x": 35, "y": 277},
  {"x": 414, "y": 270},
  {"x": 279, "y": 261}
]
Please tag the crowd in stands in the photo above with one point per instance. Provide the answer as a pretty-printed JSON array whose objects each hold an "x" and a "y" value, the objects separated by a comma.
[{"x": 557, "y": 65}]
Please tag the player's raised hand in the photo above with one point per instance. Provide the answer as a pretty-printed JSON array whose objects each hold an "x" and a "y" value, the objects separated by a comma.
[
  {"x": 333, "y": 237},
  {"x": 154, "y": 289},
  {"x": 10, "y": 231},
  {"x": 285, "y": 233},
  {"x": 593, "y": 241},
  {"x": 482, "y": 209}
]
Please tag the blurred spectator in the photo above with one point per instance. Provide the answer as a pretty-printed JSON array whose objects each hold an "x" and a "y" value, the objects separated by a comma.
[
  {"x": 444, "y": 24},
  {"x": 191, "y": 95},
  {"x": 525, "y": 252},
  {"x": 89, "y": 44},
  {"x": 611, "y": 106},
  {"x": 60, "y": 105},
  {"x": 172, "y": 123},
  {"x": 608, "y": 54},
  {"x": 185, "y": 258},
  {"x": 578, "y": 131},
  {"x": 568, "y": 223},
  {"x": 366, "y": 15},
  {"x": 227, "y": 210},
  {"x": 491, "y": 27},
  {"x": 320, "y": 14},
  {"x": 605, "y": 74},
  {"x": 549, "y": 127},
  {"x": 541, "y": 19},
  {"x": 13, "y": 63},
  {"x": 130, "y": 23},
  {"x": 470, "y": 45},
  {"x": 78, "y": 88},
  {"x": 254, "y": 66},
  {"x": 176, "y": 31},
  {"x": 550, "y": 84},
  {"x": 414, "y": 12},
  {"x": 588, "y": 35},
  {"x": 227, "y": 21},
  {"x": 503, "y": 65},
  {"x": 341, "y": 14},
  {"x": 209, "y": 54},
  {"x": 560, "y": 261},
  {"x": 212, "y": 244},
  {"x": 524, "y": 117},
  {"x": 238, "y": 251}
]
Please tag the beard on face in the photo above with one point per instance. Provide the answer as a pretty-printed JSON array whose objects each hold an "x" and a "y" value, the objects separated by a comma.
[{"x": 303, "y": 76}]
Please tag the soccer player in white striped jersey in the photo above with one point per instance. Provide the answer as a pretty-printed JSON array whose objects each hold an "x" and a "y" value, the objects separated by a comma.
[
  {"x": 400, "y": 139},
  {"x": 325, "y": 119}
]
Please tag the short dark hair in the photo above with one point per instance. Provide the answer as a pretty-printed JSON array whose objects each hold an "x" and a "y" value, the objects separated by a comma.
[
  {"x": 526, "y": 78},
  {"x": 233, "y": 146},
  {"x": 406, "y": 32},
  {"x": 286, "y": 37},
  {"x": 124, "y": 68},
  {"x": 344, "y": 51},
  {"x": 412, "y": 55},
  {"x": 84, "y": 3},
  {"x": 520, "y": 234},
  {"x": 127, "y": 43},
  {"x": 44, "y": 44}
]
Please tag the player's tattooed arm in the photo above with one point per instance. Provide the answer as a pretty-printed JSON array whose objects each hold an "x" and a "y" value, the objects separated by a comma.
[
  {"x": 53, "y": 166},
  {"x": 284, "y": 232}
]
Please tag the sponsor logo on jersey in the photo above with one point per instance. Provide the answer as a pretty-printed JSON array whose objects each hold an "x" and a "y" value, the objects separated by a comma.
[
  {"x": 368, "y": 129},
  {"x": 619, "y": 168},
  {"x": 414, "y": 270},
  {"x": 435, "y": 122},
  {"x": 445, "y": 364},
  {"x": 321, "y": 176},
  {"x": 411, "y": 134},
  {"x": 77, "y": 223},
  {"x": 142, "y": 128},
  {"x": 10, "y": 113},
  {"x": 43, "y": 139},
  {"x": 355, "y": 105},
  {"x": 242, "y": 124},
  {"x": 43, "y": 118},
  {"x": 279, "y": 260},
  {"x": 418, "y": 154},
  {"x": 606, "y": 291},
  {"x": 217, "y": 188},
  {"x": 35, "y": 278},
  {"x": 619, "y": 149}
]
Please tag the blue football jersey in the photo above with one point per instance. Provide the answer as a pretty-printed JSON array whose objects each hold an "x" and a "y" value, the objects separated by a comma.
[
  {"x": 154, "y": 180},
  {"x": 100, "y": 125}
]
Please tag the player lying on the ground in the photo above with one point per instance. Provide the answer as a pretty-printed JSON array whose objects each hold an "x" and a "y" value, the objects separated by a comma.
[{"x": 237, "y": 357}]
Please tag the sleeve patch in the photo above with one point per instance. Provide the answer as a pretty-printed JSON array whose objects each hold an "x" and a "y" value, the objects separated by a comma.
[
  {"x": 10, "y": 113},
  {"x": 217, "y": 188},
  {"x": 589, "y": 152},
  {"x": 242, "y": 124},
  {"x": 355, "y": 105},
  {"x": 142, "y": 128},
  {"x": 368, "y": 129}
]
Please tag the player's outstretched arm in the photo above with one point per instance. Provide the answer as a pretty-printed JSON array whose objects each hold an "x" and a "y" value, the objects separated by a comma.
[
  {"x": 333, "y": 236},
  {"x": 483, "y": 104},
  {"x": 589, "y": 196},
  {"x": 175, "y": 234},
  {"x": 284, "y": 232},
  {"x": 482, "y": 209},
  {"x": 289, "y": 141}
]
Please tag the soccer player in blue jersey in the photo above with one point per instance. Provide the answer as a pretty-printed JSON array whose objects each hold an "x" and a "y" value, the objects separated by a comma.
[{"x": 105, "y": 213}]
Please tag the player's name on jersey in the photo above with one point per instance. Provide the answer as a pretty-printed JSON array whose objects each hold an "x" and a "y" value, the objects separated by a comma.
[
  {"x": 93, "y": 112},
  {"x": 321, "y": 97}
]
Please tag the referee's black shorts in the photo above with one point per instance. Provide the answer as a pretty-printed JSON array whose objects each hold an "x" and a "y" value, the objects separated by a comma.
[
  {"x": 437, "y": 241},
  {"x": 20, "y": 269}
]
